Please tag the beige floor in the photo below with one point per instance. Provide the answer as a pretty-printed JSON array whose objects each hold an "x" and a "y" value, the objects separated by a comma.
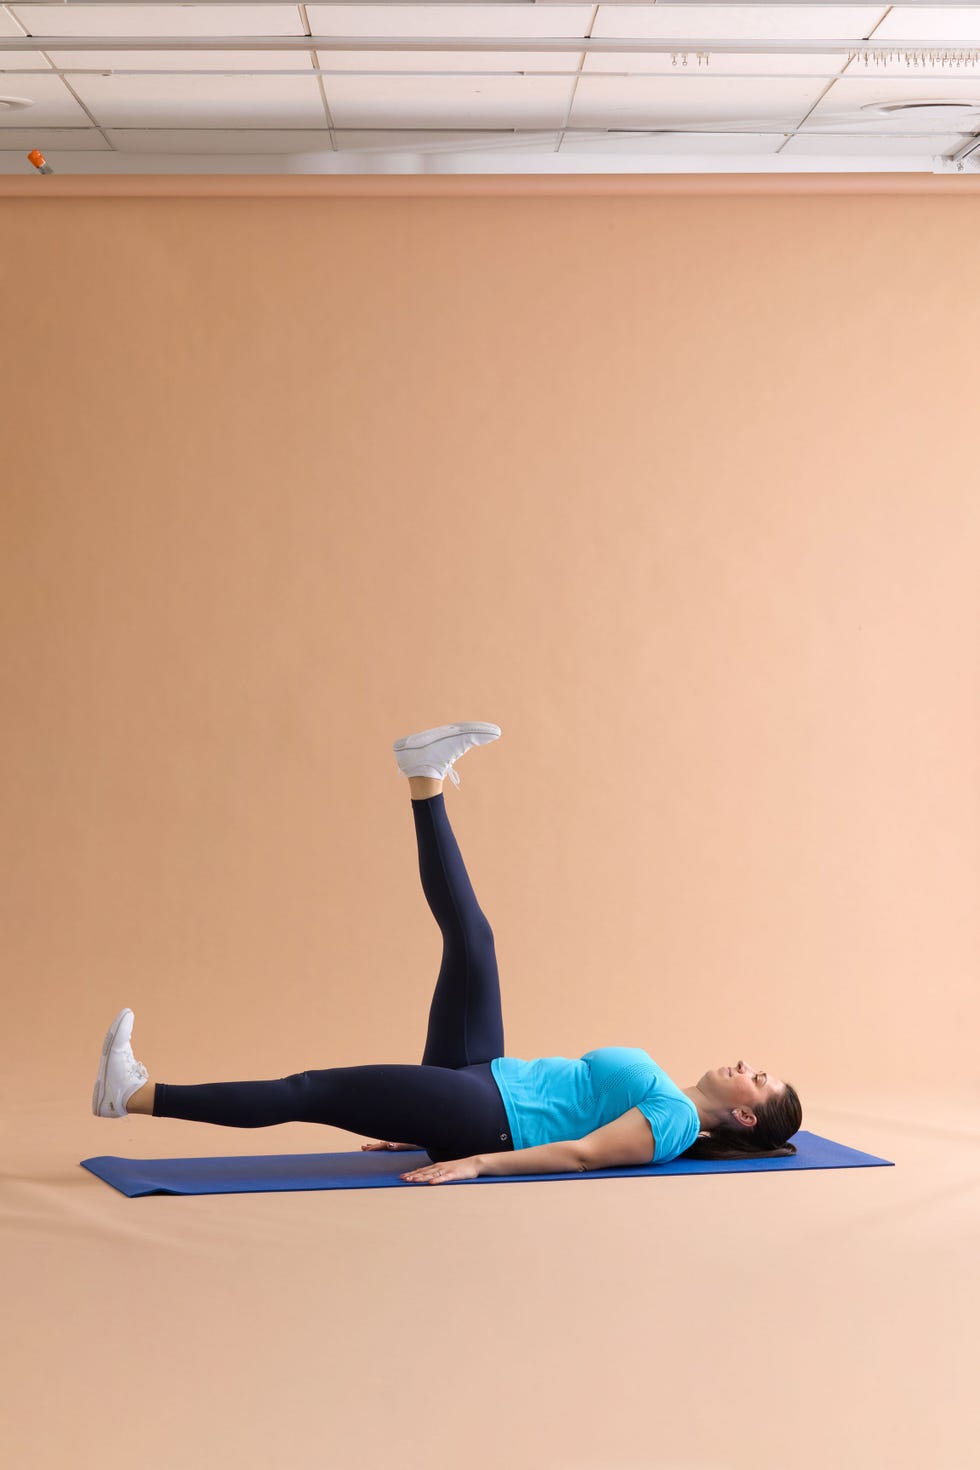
[{"x": 824, "y": 1318}]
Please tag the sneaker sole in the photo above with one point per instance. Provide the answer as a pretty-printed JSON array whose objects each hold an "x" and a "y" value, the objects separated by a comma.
[
  {"x": 425, "y": 738},
  {"x": 99, "y": 1090}
]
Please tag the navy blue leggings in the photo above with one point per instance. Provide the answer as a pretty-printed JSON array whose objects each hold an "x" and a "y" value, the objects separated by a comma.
[{"x": 450, "y": 1105}]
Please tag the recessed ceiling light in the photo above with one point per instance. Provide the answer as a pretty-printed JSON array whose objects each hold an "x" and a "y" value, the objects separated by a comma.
[{"x": 15, "y": 102}]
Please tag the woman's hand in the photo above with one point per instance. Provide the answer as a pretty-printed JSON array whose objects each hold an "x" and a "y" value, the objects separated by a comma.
[
  {"x": 446, "y": 1172},
  {"x": 412, "y": 1148}
]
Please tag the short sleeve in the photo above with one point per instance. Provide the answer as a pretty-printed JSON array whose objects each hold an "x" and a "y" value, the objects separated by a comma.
[{"x": 674, "y": 1122}]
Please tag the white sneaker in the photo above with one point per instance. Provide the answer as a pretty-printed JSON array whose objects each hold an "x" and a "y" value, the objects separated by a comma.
[
  {"x": 120, "y": 1074},
  {"x": 432, "y": 752}
]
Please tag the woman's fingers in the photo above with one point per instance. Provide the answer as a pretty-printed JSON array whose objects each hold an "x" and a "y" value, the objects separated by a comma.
[
  {"x": 406, "y": 1147},
  {"x": 444, "y": 1173}
]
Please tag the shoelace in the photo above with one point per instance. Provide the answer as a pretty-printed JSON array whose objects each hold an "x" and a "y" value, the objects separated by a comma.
[
  {"x": 451, "y": 773},
  {"x": 135, "y": 1071}
]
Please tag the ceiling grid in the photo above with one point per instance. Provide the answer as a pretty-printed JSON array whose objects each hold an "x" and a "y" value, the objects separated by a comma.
[{"x": 490, "y": 86}]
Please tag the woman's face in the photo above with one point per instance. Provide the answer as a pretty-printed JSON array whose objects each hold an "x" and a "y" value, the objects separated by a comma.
[{"x": 739, "y": 1087}]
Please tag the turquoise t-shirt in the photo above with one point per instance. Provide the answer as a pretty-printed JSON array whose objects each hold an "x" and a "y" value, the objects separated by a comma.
[{"x": 555, "y": 1098}]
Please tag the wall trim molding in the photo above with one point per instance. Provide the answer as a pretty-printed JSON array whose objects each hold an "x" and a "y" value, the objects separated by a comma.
[{"x": 398, "y": 186}]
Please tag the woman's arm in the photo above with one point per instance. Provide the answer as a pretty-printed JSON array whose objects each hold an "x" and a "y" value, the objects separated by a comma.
[
  {"x": 623, "y": 1143},
  {"x": 547, "y": 1158}
]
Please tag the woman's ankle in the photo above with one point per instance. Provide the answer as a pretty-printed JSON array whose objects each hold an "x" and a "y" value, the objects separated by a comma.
[
  {"x": 424, "y": 787},
  {"x": 142, "y": 1099}
]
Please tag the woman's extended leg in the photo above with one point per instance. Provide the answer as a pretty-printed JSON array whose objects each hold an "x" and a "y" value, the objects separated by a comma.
[
  {"x": 454, "y": 1113},
  {"x": 465, "y": 1020}
]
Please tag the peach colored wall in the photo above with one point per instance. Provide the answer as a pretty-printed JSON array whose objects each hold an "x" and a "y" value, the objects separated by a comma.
[{"x": 679, "y": 491}]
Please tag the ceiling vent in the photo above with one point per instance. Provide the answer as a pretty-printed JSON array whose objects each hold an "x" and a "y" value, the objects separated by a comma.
[{"x": 940, "y": 111}]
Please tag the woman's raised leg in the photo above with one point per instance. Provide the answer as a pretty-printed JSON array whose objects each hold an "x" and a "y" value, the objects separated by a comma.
[{"x": 465, "y": 1019}]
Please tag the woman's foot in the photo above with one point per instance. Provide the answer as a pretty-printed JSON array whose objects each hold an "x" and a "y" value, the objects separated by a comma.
[
  {"x": 433, "y": 753},
  {"x": 120, "y": 1075}
]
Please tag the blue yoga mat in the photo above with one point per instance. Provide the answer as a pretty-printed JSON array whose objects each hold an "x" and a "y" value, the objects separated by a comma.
[{"x": 356, "y": 1170}]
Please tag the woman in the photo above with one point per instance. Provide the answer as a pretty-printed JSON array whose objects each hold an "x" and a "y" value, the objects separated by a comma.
[{"x": 478, "y": 1111}]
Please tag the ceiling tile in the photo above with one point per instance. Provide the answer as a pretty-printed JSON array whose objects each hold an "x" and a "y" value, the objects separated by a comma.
[
  {"x": 159, "y": 20},
  {"x": 673, "y": 101},
  {"x": 21, "y": 61},
  {"x": 425, "y": 142},
  {"x": 512, "y": 62},
  {"x": 857, "y": 147},
  {"x": 52, "y": 140},
  {"x": 194, "y": 102},
  {"x": 941, "y": 23},
  {"x": 460, "y": 102},
  {"x": 848, "y": 96},
  {"x": 417, "y": 21},
  {"x": 666, "y": 145},
  {"x": 754, "y": 64},
  {"x": 217, "y": 140},
  {"x": 738, "y": 22},
  {"x": 54, "y": 106},
  {"x": 240, "y": 62}
]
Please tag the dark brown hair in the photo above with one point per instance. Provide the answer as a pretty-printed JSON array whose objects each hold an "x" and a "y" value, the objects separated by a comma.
[{"x": 778, "y": 1119}]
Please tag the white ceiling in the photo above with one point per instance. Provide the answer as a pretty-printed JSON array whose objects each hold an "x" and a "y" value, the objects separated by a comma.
[{"x": 500, "y": 86}]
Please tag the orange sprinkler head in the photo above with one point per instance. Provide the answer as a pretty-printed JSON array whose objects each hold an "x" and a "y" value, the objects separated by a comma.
[{"x": 40, "y": 163}]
